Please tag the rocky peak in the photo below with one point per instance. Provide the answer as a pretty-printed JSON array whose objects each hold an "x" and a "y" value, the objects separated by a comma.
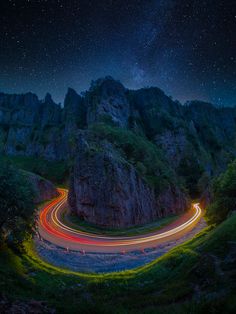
[
  {"x": 13, "y": 101},
  {"x": 158, "y": 112},
  {"x": 107, "y": 101},
  {"x": 72, "y": 100},
  {"x": 18, "y": 108},
  {"x": 48, "y": 99},
  {"x": 214, "y": 125},
  {"x": 108, "y": 82},
  {"x": 71, "y": 92},
  {"x": 31, "y": 100},
  {"x": 151, "y": 97},
  {"x": 74, "y": 111},
  {"x": 49, "y": 111}
]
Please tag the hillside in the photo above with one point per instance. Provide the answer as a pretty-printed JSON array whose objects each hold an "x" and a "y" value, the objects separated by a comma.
[
  {"x": 150, "y": 153},
  {"x": 196, "y": 277}
]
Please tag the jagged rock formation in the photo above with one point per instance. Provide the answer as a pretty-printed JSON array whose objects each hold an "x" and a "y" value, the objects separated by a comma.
[
  {"x": 190, "y": 141},
  {"x": 107, "y": 99},
  {"x": 42, "y": 128},
  {"x": 74, "y": 114},
  {"x": 29, "y": 125},
  {"x": 108, "y": 191}
]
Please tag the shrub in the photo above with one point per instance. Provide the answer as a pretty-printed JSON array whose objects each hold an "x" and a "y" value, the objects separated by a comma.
[
  {"x": 16, "y": 206},
  {"x": 56, "y": 171},
  {"x": 224, "y": 190}
]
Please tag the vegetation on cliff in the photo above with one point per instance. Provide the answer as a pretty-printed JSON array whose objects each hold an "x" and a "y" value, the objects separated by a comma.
[
  {"x": 139, "y": 151},
  {"x": 188, "y": 140},
  {"x": 166, "y": 143},
  {"x": 195, "y": 277},
  {"x": 224, "y": 190}
]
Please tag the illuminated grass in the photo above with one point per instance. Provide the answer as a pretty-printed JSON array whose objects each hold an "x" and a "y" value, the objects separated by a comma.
[
  {"x": 163, "y": 286},
  {"x": 74, "y": 222}
]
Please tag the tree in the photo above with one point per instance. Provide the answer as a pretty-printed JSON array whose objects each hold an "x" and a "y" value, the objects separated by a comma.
[
  {"x": 224, "y": 190},
  {"x": 16, "y": 206}
]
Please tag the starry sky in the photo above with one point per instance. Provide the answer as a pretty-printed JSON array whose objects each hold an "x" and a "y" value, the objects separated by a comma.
[{"x": 185, "y": 47}]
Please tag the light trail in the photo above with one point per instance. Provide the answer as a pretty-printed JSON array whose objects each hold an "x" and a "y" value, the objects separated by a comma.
[{"x": 54, "y": 230}]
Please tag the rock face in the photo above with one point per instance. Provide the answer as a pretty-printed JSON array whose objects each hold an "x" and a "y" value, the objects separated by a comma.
[
  {"x": 190, "y": 141},
  {"x": 74, "y": 113},
  {"x": 28, "y": 126},
  {"x": 107, "y": 100},
  {"x": 174, "y": 144},
  {"x": 42, "y": 128},
  {"x": 44, "y": 189},
  {"x": 109, "y": 192}
]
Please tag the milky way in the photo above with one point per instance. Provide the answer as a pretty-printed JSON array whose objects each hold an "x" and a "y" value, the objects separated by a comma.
[{"x": 187, "y": 48}]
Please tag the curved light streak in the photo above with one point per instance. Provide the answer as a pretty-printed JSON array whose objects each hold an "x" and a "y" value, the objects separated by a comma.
[{"x": 50, "y": 222}]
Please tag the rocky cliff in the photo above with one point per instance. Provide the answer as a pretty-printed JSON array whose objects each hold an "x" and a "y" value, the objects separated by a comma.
[
  {"x": 107, "y": 101},
  {"x": 33, "y": 127},
  {"x": 148, "y": 151},
  {"x": 107, "y": 190}
]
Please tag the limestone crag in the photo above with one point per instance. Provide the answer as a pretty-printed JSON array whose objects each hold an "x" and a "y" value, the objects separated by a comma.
[
  {"x": 107, "y": 99},
  {"x": 136, "y": 155},
  {"x": 108, "y": 191}
]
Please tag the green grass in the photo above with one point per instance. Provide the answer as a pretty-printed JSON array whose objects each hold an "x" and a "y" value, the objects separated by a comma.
[
  {"x": 55, "y": 171},
  {"x": 185, "y": 280},
  {"x": 78, "y": 224}
]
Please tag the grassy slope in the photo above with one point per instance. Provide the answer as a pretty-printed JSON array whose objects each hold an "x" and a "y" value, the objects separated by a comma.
[
  {"x": 56, "y": 171},
  {"x": 76, "y": 223},
  {"x": 196, "y": 277}
]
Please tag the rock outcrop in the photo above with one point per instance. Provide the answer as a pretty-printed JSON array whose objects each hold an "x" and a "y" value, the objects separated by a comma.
[
  {"x": 31, "y": 127},
  {"x": 106, "y": 100},
  {"x": 190, "y": 141},
  {"x": 108, "y": 191},
  {"x": 44, "y": 189},
  {"x": 74, "y": 112}
]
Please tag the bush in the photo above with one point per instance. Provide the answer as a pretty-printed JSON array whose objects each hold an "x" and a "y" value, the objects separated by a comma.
[
  {"x": 55, "y": 171},
  {"x": 224, "y": 190},
  {"x": 16, "y": 206}
]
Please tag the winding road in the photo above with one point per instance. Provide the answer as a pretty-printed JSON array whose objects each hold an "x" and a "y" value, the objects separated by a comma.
[{"x": 52, "y": 229}]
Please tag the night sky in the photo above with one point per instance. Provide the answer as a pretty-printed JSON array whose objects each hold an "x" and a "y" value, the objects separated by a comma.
[{"x": 187, "y": 48}]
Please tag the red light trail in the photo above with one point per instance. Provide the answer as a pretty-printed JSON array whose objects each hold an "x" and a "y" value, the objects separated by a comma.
[{"x": 52, "y": 229}]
